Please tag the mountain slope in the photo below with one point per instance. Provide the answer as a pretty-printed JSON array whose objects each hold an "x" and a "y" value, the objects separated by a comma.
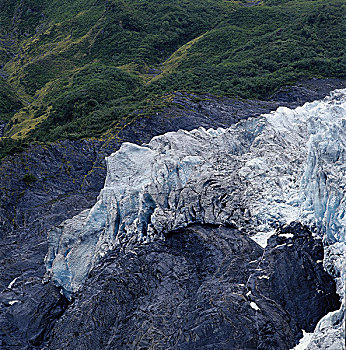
[
  {"x": 258, "y": 175},
  {"x": 48, "y": 184},
  {"x": 91, "y": 75},
  {"x": 218, "y": 47}
]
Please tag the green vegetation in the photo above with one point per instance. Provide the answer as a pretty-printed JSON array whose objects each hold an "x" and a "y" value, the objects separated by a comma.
[
  {"x": 87, "y": 103},
  {"x": 80, "y": 68},
  {"x": 262, "y": 48},
  {"x": 9, "y": 146},
  {"x": 9, "y": 102},
  {"x": 29, "y": 179}
]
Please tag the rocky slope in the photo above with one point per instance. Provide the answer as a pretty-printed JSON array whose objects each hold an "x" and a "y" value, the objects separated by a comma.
[
  {"x": 48, "y": 184},
  {"x": 202, "y": 287}
]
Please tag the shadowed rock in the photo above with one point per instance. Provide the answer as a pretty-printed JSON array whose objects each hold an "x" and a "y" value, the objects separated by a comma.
[{"x": 203, "y": 287}]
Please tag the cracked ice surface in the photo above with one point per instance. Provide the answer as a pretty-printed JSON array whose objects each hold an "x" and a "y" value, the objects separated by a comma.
[{"x": 281, "y": 167}]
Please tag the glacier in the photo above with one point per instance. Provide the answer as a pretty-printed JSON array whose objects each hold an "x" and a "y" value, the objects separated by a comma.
[{"x": 259, "y": 174}]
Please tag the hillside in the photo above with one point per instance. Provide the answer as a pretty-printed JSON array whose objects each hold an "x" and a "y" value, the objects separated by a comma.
[
  {"x": 172, "y": 174},
  {"x": 77, "y": 69}
]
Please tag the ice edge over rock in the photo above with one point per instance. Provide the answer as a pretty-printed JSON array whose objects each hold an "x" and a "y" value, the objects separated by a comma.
[{"x": 260, "y": 173}]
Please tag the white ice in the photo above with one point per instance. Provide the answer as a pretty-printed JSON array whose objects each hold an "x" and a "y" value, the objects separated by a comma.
[{"x": 289, "y": 165}]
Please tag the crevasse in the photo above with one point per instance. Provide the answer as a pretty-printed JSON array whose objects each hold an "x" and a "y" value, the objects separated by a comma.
[{"x": 281, "y": 167}]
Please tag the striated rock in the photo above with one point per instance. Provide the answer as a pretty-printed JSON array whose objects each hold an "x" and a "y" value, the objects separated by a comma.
[
  {"x": 203, "y": 287},
  {"x": 290, "y": 268},
  {"x": 34, "y": 316}
]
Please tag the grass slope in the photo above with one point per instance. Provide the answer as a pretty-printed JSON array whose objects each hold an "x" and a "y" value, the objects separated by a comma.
[{"x": 78, "y": 68}]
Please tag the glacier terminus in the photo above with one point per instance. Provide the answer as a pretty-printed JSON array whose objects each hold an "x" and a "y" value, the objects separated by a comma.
[{"x": 258, "y": 175}]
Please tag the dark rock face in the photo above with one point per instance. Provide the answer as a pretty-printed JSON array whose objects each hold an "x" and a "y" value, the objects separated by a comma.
[
  {"x": 33, "y": 314},
  {"x": 190, "y": 111},
  {"x": 293, "y": 265},
  {"x": 306, "y": 91},
  {"x": 65, "y": 178},
  {"x": 48, "y": 184},
  {"x": 193, "y": 292}
]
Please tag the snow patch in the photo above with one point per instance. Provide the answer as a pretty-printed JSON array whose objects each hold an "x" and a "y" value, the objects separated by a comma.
[
  {"x": 263, "y": 277},
  {"x": 304, "y": 342},
  {"x": 261, "y": 238},
  {"x": 286, "y": 235},
  {"x": 12, "y": 283},
  {"x": 254, "y": 306}
]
